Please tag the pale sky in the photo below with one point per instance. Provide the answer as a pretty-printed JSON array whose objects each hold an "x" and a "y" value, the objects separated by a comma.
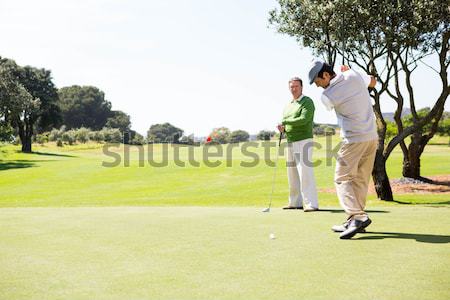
[{"x": 197, "y": 64}]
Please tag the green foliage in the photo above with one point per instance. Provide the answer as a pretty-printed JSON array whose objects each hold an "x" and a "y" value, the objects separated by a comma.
[
  {"x": 164, "y": 133},
  {"x": 42, "y": 138},
  {"x": 84, "y": 106},
  {"x": 56, "y": 134},
  {"x": 96, "y": 136},
  {"x": 6, "y": 132},
  {"x": 187, "y": 140},
  {"x": 391, "y": 130},
  {"x": 82, "y": 135},
  {"x": 38, "y": 82},
  {"x": 69, "y": 137},
  {"x": 323, "y": 129},
  {"x": 220, "y": 135},
  {"x": 239, "y": 136},
  {"x": 137, "y": 139},
  {"x": 265, "y": 135},
  {"x": 59, "y": 143},
  {"x": 112, "y": 135},
  {"x": 444, "y": 127},
  {"x": 119, "y": 120}
]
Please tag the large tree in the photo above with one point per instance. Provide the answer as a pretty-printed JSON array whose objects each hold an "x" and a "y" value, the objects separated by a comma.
[
  {"x": 164, "y": 133},
  {"x": 84, "y": 106},
  {"x": 119, "y": 119},
  {"x": 378, "y": 36},
  {"x": 28, "y": 98},
  {"x": 238, "y": 136}
]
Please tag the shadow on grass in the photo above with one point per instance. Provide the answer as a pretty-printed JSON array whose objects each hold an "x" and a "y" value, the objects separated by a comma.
[
  {"x": 52, "y": 154},
  {"x": 16, "y": 164},
  {"x": 423, "y": 238},
  {"x": 20, "y": 164},
  {"x": 419, "y": 203},
  {"x": 342, "y": 211}
]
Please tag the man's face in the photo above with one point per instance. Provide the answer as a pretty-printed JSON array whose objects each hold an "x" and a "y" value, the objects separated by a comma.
[
  {"x": 323, "y": 82},
  {"x": 296, "y": 88}
]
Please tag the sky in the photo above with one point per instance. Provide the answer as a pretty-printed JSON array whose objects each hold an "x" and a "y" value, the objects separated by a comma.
[{"x": 196, "y": 64}]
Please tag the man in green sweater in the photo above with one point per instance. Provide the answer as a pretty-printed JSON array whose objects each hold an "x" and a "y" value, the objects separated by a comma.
[{"x": 297, "y": 124}]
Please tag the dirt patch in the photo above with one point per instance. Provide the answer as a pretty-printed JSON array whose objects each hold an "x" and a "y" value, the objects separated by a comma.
[{"x": 439, "y": 184}]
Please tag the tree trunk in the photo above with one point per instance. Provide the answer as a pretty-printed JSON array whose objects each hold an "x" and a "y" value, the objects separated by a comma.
[
  {"x": 411, "y": 163},
  {"x": 381, "y": 179},
  {"x": 25, "y": 134}
]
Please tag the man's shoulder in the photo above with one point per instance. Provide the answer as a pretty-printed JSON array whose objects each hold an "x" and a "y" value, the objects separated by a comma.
[{"x": 307, "y": 101}]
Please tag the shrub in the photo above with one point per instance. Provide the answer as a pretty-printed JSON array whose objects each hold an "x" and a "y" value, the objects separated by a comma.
[
  {"x": 69, "y": 137},
  {"x": 138, "y": 140},
  {"x": 112, "y": 135},
  {"x": 96, "y": 136},
  {"x": 82, "y": 135},
  {"x": 42, "y": 138}
]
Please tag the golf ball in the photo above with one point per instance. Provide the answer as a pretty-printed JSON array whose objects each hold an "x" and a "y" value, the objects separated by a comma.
[{"x": 272, "y": 236}]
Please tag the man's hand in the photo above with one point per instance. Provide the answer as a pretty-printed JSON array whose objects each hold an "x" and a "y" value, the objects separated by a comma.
[
  {"x": 345, "y": 68},
  {"x": 280, "y": 128}
]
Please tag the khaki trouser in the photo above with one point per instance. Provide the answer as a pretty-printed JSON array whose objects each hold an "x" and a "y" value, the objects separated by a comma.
[
  {"x": 353, "y": 168},
  {"x": 302, "y": 185}
]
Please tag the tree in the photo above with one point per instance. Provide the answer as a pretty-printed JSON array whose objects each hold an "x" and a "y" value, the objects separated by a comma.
[
  {"x": 84, "y": 106},
  {"x": 164, "y": 133},
  {"x": 265, "y": 135},
  {"x": 187, "y": 139},
  {"x": 386, "y": 39},
  {"x": 220, "y": 135},
  {"x": 28, "y": 98},
  {"x": 239, "y": 136},
  {"x": 6, "y": 132},
  {"x": 444, "y": 125},
  {"x": 120, "y": 120}
]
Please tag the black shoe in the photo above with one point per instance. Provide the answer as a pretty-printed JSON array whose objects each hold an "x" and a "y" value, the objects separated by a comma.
[
  {"x": 343, "y": 227},
  {"x": 293, "y": 207},
  {"x": 354, "y": 227}
]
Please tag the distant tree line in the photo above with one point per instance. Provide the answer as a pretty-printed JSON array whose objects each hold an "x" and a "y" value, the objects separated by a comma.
[{"x": 31, "y": 107}]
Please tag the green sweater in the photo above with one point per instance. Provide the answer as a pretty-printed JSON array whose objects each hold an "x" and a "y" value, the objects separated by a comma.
[{"x": 298, "y": 119}]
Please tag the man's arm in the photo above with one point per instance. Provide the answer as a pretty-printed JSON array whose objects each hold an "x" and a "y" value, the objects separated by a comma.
[
  {"x": 368, "y": 79},
  {"x": 373, "y": 82},
  {"x": 306, "y": 116}
]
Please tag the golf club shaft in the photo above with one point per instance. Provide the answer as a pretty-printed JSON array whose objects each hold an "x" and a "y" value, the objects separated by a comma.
[{"x": 275, "y": 170}]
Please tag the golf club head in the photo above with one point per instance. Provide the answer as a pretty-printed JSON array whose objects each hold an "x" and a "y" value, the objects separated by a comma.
[{"x": 266, "y": 209}]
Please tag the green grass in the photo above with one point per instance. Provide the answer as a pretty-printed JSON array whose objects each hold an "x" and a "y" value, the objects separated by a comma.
[
  {"x": 74, "y": 176},
  {"x": 221, "y": 253},
  {"x": 73, "y": 229}
]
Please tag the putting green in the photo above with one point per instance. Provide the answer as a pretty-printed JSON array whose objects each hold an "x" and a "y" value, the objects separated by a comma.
[{"x": 221, "y": 253}]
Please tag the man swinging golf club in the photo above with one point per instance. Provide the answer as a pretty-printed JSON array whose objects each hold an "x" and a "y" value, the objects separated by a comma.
[
  {"x": 347, "y": 94},
  {"x": 297, "y": 124}
]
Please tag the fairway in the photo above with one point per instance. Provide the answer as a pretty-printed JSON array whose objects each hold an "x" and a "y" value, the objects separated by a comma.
[
  {"x": 74, "y": 229},
  {"x": 221, "y": 253}
]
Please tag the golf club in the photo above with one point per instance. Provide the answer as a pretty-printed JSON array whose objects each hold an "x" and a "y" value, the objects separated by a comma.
[{"x": 274, "y": 174}]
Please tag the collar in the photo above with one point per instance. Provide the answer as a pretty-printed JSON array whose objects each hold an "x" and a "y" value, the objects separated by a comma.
[
  {"x": 333, "y": 81},
  {"x": 298, "y": 99}
]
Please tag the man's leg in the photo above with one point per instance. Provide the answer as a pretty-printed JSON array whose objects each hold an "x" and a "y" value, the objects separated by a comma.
[
  {"x": 295, "y": 198},
  {"x": 365, "y": 167},
  {"x": 346, "y": 171},
  {"x": 349, "y": 186},
  {"x": 306, "y": 172}
]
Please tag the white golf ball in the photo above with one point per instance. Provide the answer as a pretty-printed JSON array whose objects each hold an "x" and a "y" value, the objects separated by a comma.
[{"x": 272, "y": 236}]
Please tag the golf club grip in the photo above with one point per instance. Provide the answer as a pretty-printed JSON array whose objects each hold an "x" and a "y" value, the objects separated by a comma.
[{"x": 279, "y": 142}]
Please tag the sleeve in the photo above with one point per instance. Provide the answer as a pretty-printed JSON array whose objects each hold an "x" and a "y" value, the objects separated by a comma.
[
  {"x": 326, "y": 101},
  {"x": 365, "y": 77},
  {"x": 306, "y": 116}
]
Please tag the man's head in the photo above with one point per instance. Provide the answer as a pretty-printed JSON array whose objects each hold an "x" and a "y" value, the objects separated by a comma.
[
  {"x": 321, "y": 73},
  {"x": 296, "y": 87}
]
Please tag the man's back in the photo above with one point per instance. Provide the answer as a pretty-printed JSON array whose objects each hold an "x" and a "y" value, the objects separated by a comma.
[{"x": 350, "y": 98}]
